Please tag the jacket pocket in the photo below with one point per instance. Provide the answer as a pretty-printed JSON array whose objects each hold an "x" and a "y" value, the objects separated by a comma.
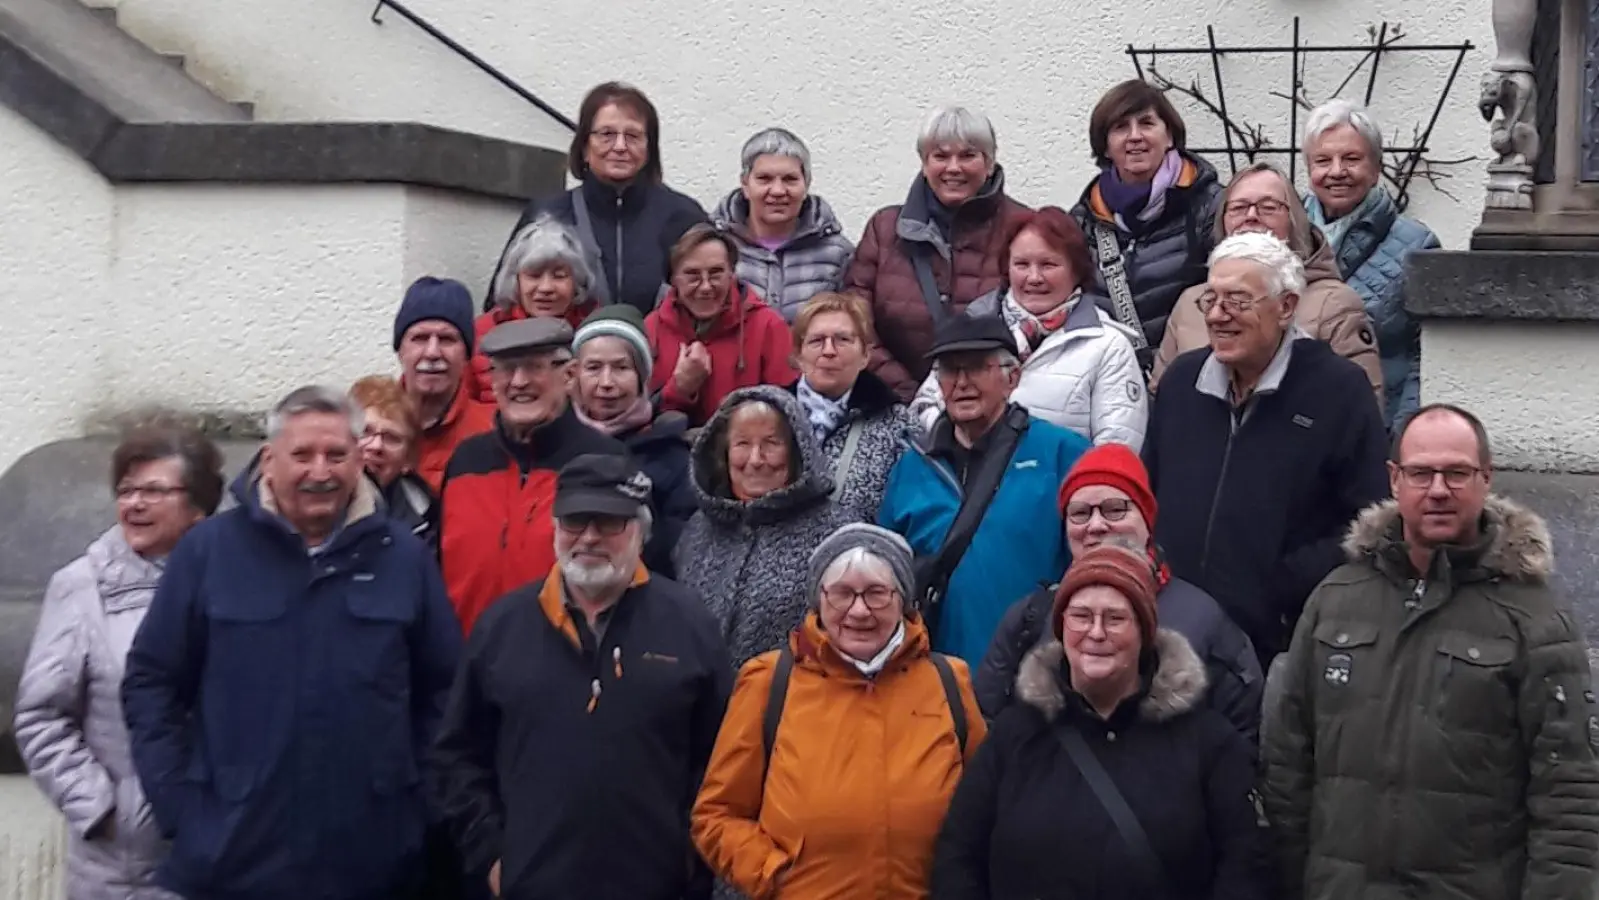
[
  {"x": 214, "y": 803},
  {"x": 377, "y": 651},
  {"x": 1347, "y": 669},
  {"x": 137, "y": 835},
  {"x": 1472, "y": 684}
]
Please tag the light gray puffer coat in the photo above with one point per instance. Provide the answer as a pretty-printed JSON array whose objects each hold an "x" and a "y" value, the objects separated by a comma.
[
  {"x": 811, "y": 262},
  {"x": 69, "y": 724},
  {"x": 748, "y": 559}
]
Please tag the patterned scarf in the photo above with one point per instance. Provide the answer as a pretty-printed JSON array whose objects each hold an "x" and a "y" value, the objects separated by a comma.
[
  {"x": 1034, "y": 330},
  {"x": 824, "y": 413},
  {"x": 1137, "y": 205},
  {"x": 1338, "y": 228}
]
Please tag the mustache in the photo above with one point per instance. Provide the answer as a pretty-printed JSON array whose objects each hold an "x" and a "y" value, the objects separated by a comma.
[
  {"x": 432, "y": 367},
  {"x": 327, "y": 486}
]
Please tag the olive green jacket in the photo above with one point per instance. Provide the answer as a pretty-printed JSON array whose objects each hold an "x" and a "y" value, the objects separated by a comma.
[{"x": 1435, "y": 737}]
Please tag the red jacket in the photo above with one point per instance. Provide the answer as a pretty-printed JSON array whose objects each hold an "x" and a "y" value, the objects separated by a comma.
[
  {"x": 496, "y": 525},
  {"x": 749, "y": 345},
  {"x": 464, "y": 418},
  {"x": 477, "y": 376}
]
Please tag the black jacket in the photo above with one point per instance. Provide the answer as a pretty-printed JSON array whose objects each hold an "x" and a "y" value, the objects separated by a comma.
[
  {"x": 1025, "y": 823},
  {"x": 1234, "y": 673},
  {"x": 575, "y": 763},
  {"x": 410, "y": 502},
  {"x": 661, "y": 450},
  {"x": 635, "y": 229},
  {"x": 1253, "y": 515}
]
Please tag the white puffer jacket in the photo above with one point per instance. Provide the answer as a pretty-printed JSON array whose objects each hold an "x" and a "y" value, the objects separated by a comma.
[{"x": 1084, "y": 377}]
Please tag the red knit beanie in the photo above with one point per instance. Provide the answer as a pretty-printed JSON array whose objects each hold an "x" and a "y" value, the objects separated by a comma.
[
  {"x": 1116, "y": 567},
  {"x": 1111, "y": 465}
]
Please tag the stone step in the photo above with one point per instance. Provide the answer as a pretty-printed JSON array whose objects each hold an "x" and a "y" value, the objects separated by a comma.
[{"x": 32, "y": 843}]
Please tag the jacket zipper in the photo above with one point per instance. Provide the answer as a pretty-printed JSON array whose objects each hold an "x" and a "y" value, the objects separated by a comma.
[
  {"x": 1215, "y": 497},
  {"x": 618, "y": 297}
]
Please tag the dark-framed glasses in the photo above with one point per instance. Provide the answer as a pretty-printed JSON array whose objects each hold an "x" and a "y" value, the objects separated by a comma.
[
  {"x": 1455, "y": 477},
  {"x": 605, "y": 137},
  {"x": 1266, "y": 207},
  {"x": 609, "y": 526},
  {"x": 877, "y": 597},
  {"x": 155, "y": 493},
  {"x": 1112, "y": 510}
]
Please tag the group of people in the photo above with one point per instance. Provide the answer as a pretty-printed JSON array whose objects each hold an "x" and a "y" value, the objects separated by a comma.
[{"x": 715, "y": 556}]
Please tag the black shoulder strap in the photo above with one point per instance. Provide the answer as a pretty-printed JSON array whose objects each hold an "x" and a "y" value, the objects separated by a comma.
[
  {"x": 775, "y": 698},
  {"x": 924, "y": 277},
  {"x": 1149, "y": 865},
  {"x": 952, "y": 696}
]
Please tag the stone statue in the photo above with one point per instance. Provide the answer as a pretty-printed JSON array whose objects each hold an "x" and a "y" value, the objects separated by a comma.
[{"x": 1509, "y": 90}]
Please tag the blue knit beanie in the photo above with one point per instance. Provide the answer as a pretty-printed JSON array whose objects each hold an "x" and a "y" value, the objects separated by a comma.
[{"x": 443, "y": 299}]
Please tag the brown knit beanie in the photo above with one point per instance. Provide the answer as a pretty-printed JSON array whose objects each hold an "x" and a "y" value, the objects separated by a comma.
[{"x": 1126, "y": 571}]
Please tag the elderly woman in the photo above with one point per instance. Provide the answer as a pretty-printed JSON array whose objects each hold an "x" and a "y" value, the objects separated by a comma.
[
  {"x": 1106, "y": 499},
  {"x": 926, "y": 260},
  {"x": 69, "y": 725},
  {"x": 1109, "y": 779},
  {"x": 857, "y": 419},
  {"x": 1369, "y": 239},
  {"x": 712, "y": 334},
  {"x": 835, "y": 763},
  {"x": 791, "y": 246},
  {"x": 1148, "y": 213},
  {"x": 546, "y": 273},
  {"x": 1078, "y": 370},
  {"x": 389, "y": 452},
  {"x": 763, "y": 488},
  {"x": 609, "y": 395},
  {"x": 625, "y": 217},
  {"x": 1261, "y": 198}
]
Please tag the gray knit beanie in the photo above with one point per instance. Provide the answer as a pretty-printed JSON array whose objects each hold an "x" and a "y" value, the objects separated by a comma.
[
  {"x": 879, "y": 541},
  {"x": 619, "y": 320}
]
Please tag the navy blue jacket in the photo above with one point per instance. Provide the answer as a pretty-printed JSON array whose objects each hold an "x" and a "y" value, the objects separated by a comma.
[
  {"x": 279, "y": 704},
  {"x": 661, "y": 449},
  {"x": 1254, "y": 515}
]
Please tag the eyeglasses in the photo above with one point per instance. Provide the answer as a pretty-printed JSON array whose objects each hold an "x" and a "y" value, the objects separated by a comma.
[
  {"x": 950, "y": 370},
  {"x": 818, "y": 342},
  {"x": 877, "y": 597},
  {"x": 1232, "y": 306},
  {"x": 605, "y": 137},
  {"x": 1455, "y": 477},
  {"x": 713, "y": 277},
  {"x": 155, "y": 493},
  {"x": 608, "y": 526},
  {"x": 1112, "y": 510},
  {"x": 1081, "y": 621},
  {"x": 393, "y": 440},
  {"x": 533, "y": 366},
  {"x": 1267, "y": 207}
]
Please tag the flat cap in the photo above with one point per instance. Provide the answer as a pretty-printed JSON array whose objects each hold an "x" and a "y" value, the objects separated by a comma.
[{"x": 524, "y": 336}]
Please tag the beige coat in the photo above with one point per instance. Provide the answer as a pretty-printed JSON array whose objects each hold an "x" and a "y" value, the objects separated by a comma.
[{"x": 1329, "y": 310}]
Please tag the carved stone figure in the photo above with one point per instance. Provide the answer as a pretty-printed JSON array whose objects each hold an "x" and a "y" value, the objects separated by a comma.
[{"x": 1509, "y": 90}]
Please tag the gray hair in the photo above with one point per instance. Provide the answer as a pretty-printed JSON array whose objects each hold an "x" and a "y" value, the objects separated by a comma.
[
  {"x": 544, "y": 241},
  {"x": 862, "y": 560},
  {"x": 1298, "y": 219},
  {"x": 1339, "y": 111},
  {"x": 315, "y": 398},
  {"x": 1285, "y": 273},
  {"x": 775, "y": 142},
  {"x": 958, "y": 125}
]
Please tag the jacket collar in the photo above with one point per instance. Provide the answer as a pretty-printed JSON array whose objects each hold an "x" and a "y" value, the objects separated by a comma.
[
  {"x": 677, "y": 319},
  {"x": 1195, "y": 173},
  {"x": 604, "y": 200},
  {"x": 816, "y": 218},
  {"x": 552, "y": 601},
  {"x": 871, "y": 395},
  {"x": 1515, "y": 543},
  {"x": 813, "y": 649},
  {"x": 1214, "y": 380},
  {"x": 1177, "y": 684},
  {"x": 915, "y": 220},
  {"x": 118, "y": 571},
  {"x": 1320, "y": 265}
]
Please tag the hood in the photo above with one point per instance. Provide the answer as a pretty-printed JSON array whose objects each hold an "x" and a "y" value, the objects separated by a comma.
[
  {"x": 1178, "y": 685},
  {"x": 1322, "y": 264},
  {"x": 250, "y": 492},
  {"x": 814, "y": 484},
  {"x": 812, "y": 647},
  {"x": 1515, "y": 541},
  {"x": 668, "y": 427},
  {"x": 816, "y": 218},
  {"x": 1197, "y": 177},
  {"x": 915, "y": 220},
  {"x": 117, "y": 569},
  {"x": 675, "y": 319}
]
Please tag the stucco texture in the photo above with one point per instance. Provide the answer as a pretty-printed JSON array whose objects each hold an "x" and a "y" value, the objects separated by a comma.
[{"x": 854, "y": 80}]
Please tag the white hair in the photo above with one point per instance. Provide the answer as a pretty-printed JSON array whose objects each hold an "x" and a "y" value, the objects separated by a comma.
[
  {"x": 862, "y": 560},
  {"x": 961, "y": 126},
  {"x": 1339, "y": 111},
  {"x": 1285, "y": 274},
  {"x": 540, "y": 243},
  {"x": 776, "y": 142},
  {"x": 315, "y": 398}
]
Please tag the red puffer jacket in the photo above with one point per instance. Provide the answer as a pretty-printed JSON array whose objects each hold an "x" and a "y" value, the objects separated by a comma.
[
  {"x": 882, "y": 273},
  {"x": 749, "y": 345}
]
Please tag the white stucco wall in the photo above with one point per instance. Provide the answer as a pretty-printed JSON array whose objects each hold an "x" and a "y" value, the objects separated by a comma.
[
  {"x": 1534, "y": 385},
  {"x": 32, "y": 843},
  {"x": 852, "y": 79}
]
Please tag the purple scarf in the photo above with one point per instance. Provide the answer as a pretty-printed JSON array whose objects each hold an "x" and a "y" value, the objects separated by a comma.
[{"x": 1141, "y": 202}]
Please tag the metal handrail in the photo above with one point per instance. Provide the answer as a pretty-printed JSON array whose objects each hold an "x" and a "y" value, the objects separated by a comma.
[{"x": 472, "y": 58}]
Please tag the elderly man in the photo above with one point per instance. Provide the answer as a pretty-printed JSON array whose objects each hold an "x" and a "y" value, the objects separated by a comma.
[
  {"x": 497, "y": 533},
  {"x": 1261, "y": 447},
  {"x": 291, "y": 670},
  {"x": 966, "y": 494},
  {"x": 433, "y": 338},
  {"x": 1261, "y": 198},
  {"x": 1433, "y": 730},
  {"x": 583, "y": 717}
]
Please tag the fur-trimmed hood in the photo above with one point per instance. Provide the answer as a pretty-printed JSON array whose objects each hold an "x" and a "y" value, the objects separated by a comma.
[
  {"x": 1515, "y": 540},
  {"x": 1179, "y": 683}
]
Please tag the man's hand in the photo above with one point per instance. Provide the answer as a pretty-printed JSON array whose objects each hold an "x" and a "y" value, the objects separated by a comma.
[{"x": 494, "y": 878}]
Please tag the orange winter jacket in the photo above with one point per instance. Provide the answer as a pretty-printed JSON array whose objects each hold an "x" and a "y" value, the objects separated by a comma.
[
  {"x": 861, "y": 775},
  {"x": 465, "y": 417}
]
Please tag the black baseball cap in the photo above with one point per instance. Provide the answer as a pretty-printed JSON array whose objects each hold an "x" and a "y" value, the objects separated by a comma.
[
  {"x": 601, "y": 484},
  {"x": 963, "y": 333}
]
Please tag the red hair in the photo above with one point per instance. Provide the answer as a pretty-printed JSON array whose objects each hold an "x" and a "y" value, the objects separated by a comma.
[{"x": 1060, "y": 232}]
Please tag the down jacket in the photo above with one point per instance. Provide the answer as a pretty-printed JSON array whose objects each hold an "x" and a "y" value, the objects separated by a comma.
[
  {"x": 1432, "y": 734},
  {"x": 748, "y": 558},
  {"x": 965, "y": 267},
  {"x": 862, "y": 770},
  {"x": 812, "y": 261},
  {"x": 1168, "y": 255},
  {"x": 69, "y": 725},
  {"x": 1329, "y": 311},
  {"x": 1084, "y": 377},
  {"x": 1371, "y": 258}
]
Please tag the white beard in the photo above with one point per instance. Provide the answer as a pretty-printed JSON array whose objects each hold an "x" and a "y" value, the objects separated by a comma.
[{"x": 600, "y": 577}]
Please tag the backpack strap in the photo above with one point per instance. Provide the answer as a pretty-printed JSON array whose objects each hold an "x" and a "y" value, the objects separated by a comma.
[
  {"x": 852, "y": 442},
  {"x": 952, "y": 696},
  {"x": 775, "y": 698}
]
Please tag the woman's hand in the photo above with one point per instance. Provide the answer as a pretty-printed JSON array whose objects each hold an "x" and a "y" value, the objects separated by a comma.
[{"x": 693, "y": 367}]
